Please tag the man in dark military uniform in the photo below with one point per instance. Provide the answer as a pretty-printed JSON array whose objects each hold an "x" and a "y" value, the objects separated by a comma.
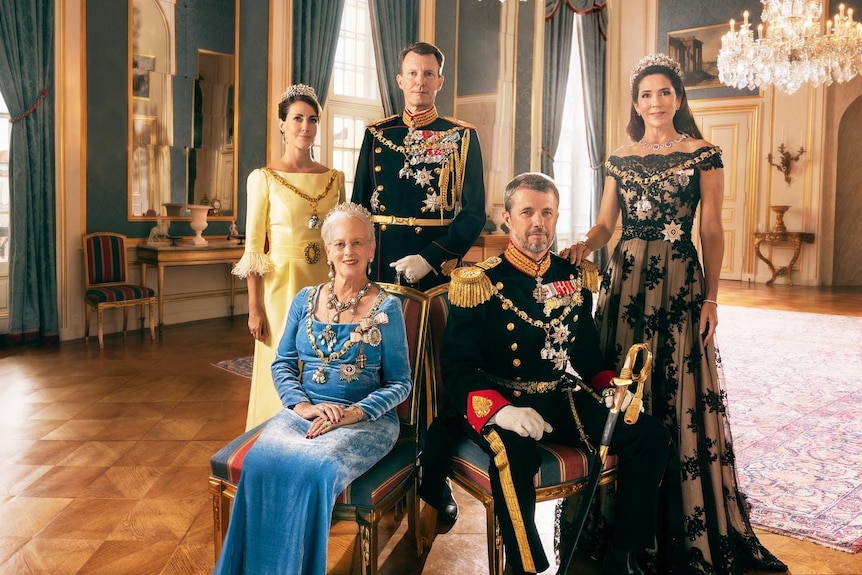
[
  {"x": 421, "y": 177},
  {"x": 516, "y": 322}
]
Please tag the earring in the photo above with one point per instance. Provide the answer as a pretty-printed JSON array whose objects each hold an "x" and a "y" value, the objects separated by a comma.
[
  {"x": 283, "y": 138},
  {"x": 369, "y": 265},
  {"x": 331, "y": 274}
]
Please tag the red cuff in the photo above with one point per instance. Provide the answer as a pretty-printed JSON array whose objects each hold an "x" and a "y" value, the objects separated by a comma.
[
  {"x": 601, "y": 380},
  {"x": 482, "y": 405}
]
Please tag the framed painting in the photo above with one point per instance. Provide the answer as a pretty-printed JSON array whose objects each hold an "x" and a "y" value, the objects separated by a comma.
[
  {"x": 696, "y": 50},
  {"x": 142, "y": 65}
]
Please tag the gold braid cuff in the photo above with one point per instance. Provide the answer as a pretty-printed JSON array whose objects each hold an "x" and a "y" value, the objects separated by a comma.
[
  {"x": 589, "y": 275},
  {"x": 501, "y": 461}
]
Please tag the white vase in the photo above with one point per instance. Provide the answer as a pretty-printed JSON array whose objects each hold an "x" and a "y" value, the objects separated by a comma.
[{"x": 199, "y": 222}]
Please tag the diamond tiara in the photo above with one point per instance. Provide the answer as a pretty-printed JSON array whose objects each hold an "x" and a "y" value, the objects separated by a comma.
[
  {"x": 351, "y": 209},
  {"x": 298, "y": 90},
  {"x": 662, "y": 60}
]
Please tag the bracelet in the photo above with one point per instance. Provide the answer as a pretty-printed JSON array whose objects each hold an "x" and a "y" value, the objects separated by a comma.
[
  {"x": 357, "y": 410},
  {"x": 712, "y": 301}
]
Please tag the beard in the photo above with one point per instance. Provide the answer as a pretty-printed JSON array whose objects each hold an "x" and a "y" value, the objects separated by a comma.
[{"x": 535, "y": 243}]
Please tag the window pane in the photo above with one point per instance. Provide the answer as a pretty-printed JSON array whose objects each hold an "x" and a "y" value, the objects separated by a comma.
[{"x": 354, "y": 74}]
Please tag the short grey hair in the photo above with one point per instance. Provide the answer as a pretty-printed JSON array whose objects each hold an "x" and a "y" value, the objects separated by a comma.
[
  {"x": 533, "y": 180},
  {"x": 341, "y": 212}
]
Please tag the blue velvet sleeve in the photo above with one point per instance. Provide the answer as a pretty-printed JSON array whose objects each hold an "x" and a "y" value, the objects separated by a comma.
[
  {"x": 285, "y": 368},
  {"x": 395, "y": 378}
]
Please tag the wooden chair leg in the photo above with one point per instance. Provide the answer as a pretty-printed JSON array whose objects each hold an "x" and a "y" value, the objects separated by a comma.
[
  {"x": 99, "y": 314},
  {"x": 125, "y": 320},
  {"x": 152, "y": 320},
  {"x": 86, "y": 323}
]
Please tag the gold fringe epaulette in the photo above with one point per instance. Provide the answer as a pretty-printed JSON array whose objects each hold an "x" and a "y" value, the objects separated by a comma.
[
  {"x": 469, "y": 287},
  {"x": 589, "y": 275},
  {"x": 460, "y": 123},
  {"x": 383, "y": 121}
]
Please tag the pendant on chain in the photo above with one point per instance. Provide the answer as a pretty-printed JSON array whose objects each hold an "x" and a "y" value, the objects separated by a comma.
[{"x": 319, "y": 375}]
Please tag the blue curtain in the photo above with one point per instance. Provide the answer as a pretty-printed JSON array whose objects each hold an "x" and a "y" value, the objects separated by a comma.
[
  {"x": 559, "y": 26},
  {"x": 394, "y": 26},
  {"x": 315, "y": 38},
  {"x": 592, "y": 22},
  {"x": 26, "y": 73}
]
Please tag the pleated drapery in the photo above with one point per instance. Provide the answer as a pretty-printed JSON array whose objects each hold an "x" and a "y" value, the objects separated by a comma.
[
  {"x": 394, "y": 26},
  {"x": 591, "y": 19},
  {"x": 26, "y": 76},
  {"x": 315, "y": 38}
]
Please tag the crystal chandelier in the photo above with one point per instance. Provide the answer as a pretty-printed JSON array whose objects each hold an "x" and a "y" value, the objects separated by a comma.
[{"x": 789, "y": 50}]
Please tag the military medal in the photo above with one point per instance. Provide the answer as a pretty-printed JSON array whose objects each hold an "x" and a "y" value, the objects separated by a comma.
[
  {"x": 643, "y": 204},
  {"x": 361, "y": 359},
  {"x": 539, "y": 293},
  {"x": 348, "y": 372}
]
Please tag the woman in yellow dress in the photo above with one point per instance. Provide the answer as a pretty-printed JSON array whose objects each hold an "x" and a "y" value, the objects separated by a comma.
[{"x": 284, "y": 251}]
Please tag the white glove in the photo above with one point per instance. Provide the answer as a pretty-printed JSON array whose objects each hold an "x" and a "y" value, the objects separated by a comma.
[
  {"x": 608, "y": 395},
  {"x": 525, "y": 421},
  {"x": 413, "y": 268}
]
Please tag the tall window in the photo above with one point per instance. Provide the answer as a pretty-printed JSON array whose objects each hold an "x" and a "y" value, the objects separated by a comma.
[
  {"x": 571, "y": 162},
  {"x": 353, "y": 100},
  {"x": 5, "y": 129}
]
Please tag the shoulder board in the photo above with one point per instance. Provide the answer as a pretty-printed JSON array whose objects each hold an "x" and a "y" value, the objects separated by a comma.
[
  {"x": 460, "y": 123},
  {"x": 383, "y": 121},
  {"x": 490, "y": 263},
  {"x": 469, "y": 287},
  {"x": 589, "y": 274}
]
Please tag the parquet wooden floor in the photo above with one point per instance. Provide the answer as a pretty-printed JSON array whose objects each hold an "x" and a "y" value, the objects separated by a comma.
[{"x": 105, "y": 456}]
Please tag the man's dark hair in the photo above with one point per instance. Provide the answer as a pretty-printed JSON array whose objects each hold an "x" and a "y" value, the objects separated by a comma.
[{"x": 423, "y": 49}]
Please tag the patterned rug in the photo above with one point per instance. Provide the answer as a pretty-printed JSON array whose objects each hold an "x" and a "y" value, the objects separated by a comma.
[
  {"x": 794, "y": 397},
  {"x": 240, "y": 366}
]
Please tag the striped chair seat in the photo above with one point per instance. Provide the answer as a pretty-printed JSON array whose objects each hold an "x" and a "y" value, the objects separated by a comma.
[
  {"x": 384, "y": 478},
  {"x": 117, "y": 293},
  {"x": 560, "y": 464}
]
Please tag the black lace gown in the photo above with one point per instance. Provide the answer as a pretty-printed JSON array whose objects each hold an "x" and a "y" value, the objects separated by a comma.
[{"x": 653, "y": 291}]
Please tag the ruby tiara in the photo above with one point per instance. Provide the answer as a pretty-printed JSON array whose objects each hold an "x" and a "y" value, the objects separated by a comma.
[{"x": 662, "y": 60}]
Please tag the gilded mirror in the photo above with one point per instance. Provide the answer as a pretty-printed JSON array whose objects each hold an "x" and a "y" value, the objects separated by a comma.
[{"x": 181, "y": 107}]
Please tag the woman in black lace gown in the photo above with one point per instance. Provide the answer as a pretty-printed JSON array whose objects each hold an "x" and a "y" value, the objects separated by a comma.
[{"x": 655, "y": 290}]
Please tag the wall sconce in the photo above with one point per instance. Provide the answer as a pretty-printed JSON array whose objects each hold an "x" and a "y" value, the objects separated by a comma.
[{"x": 786, "y": 161}]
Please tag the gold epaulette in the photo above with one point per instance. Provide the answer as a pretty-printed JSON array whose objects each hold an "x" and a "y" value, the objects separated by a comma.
[
  {"x": 460, "y": 123},
  {"x": 383, "y": 121},
  {"x": 589, "y": 274},
  {"x": 469, "y": 287}
]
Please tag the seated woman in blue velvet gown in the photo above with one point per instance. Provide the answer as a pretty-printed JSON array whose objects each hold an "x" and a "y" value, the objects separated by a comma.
[{"x": 341, "y": 369}]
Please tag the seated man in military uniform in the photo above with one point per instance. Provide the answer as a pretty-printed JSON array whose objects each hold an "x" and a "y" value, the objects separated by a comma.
[{"x": 516, "y": 322}]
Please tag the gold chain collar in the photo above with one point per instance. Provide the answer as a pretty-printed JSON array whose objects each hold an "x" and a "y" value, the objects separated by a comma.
[
  {"x": 347, "y": 344},
  {"x": 311, "y": 200}
]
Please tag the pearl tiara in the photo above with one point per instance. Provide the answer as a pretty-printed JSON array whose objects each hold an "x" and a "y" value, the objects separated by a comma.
[
  {"x": 662, "y": 60},
  {"x": 298, "y": 90}
]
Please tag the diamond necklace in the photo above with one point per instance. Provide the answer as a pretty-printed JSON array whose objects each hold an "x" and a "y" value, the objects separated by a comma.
[
  {"x": 646, "y": 144},
  {"x": 327, "y": 337}
]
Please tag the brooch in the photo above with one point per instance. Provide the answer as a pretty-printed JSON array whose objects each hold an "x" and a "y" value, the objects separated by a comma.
[{"x": 311, "y": 253}]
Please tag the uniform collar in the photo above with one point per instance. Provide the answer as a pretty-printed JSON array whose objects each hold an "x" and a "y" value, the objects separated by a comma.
[
  {"x": 526, "y": 264},
  {"x": 421, "y": 119}
]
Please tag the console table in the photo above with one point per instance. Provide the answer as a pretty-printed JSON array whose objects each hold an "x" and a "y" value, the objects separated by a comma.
[
  {"x": 164, "y": 256},
  {"x": 795, "y": 238}
]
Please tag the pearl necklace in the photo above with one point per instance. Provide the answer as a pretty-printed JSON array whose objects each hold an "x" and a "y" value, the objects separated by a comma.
[
  {"x": 656, "y": 147},
  {"x": 327, "y": 337}
]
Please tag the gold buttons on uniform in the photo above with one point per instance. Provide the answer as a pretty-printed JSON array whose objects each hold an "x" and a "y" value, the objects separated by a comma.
[
  {"x": 510, "y": 326},
  {"x": 376, "y": 168},
  {"x": 516, "y": 362},
  {"x": 515, "y": 346},
  {"x": 517, "y": 393},
  {"x": 382, "y": 227},
  {"x": 417, "y": 229},
  {"x": 575, "y": 318},
  {"x": 378, "y": 149},
  {"x": 380, "y": 188},
  {"x": 499, "y": 285}
]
